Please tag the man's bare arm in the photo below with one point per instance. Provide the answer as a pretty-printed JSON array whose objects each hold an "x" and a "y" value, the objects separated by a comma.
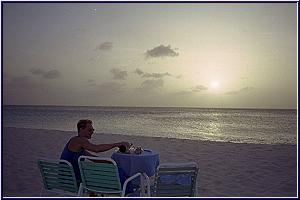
[
  {"x": 86, "y": 153},
  {"x": 100, "y": 147}
]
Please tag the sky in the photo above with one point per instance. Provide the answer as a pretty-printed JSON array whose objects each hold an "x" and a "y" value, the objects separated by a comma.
[{"x": 208, "y": 55}]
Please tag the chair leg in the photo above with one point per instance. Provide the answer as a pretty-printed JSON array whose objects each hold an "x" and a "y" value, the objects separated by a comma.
[
  {"x": 42, "y": 191},
  {"x": 80, "y": 190}
]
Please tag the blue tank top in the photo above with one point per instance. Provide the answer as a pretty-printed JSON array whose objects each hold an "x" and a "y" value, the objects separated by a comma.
[{"x": 72, "y": 157}]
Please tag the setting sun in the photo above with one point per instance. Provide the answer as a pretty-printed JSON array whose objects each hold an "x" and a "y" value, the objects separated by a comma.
[{"x": 215, "y": 84}]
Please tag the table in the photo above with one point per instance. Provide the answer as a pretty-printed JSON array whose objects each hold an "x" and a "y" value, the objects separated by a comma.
[{"x": 145, "y": 163}]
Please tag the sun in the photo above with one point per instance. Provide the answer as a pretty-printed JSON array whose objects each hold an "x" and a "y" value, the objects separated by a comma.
[{"x": 215, "y": 84}]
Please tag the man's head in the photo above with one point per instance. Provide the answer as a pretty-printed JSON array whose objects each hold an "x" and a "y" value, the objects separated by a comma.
[{"x": 85, "y": 128}]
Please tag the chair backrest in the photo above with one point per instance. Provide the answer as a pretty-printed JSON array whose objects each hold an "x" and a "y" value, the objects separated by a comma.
[
  {"x": 58, "y": 176},
  {"x": 176, "y": 179},
  {"x": 99, "y": 175}
]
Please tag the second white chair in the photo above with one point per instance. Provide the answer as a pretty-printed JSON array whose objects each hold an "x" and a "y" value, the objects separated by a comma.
[
  {"x": 101, "y": 176},
  {"x": 176, "y": 180}
]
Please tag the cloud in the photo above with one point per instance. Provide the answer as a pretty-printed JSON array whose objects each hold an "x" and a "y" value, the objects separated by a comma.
[
  {"x": 246, "y": 89},
  {"x": 21, "y": 82},
  {"x": 105, "y": 46},
  {"x": 151, "y": 75},
  {"x": 51, "y": 74},
  {"x": 151, "y": 84},
  {"x": 139, "y": 72},
  {"x": 161, "y": 51},
  {"x": 183, "y": 92},
  {"x": 156, "y": 75},
  {"x": 110, "y": 88},
  {"x": 91, "y": 82},
  {"x": 118, "y": 74},
  {"x": 192, "y": 90},
  {"x": 78, "y": 32},
  {"x": 243, "y": 90},
  {"x": 198, "y": 88},
  {"x": 6, "y": 78},
  {"x": 37, "y": 71},
  {"x": 26, "y": 90}
]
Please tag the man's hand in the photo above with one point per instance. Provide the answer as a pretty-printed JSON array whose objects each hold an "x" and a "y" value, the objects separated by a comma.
[{"x": 126, "y": 144}]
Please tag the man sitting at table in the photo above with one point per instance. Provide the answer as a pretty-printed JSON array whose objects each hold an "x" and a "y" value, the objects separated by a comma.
[{"x": 80, "y": 145}]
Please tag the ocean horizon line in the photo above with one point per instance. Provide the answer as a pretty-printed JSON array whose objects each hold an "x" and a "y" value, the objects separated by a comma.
[
  {"x": 122, "y": 106},
  {"x": 239, "y": 125}
]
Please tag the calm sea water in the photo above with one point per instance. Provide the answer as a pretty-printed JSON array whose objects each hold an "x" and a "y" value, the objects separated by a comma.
[{"x": 227, "y": 125}]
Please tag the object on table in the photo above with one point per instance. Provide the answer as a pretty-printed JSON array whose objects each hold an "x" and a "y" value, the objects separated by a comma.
[
  {"x": 123, "y": 149},
  {"x": 131, "y": 150}
]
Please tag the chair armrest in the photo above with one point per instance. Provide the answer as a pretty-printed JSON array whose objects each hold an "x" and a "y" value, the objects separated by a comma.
[
  {"x": 128, "y": 180},
  {"x": 186, "y": 164}
]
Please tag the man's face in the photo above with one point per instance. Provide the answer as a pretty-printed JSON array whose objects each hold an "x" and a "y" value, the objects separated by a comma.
[{"x": 87, "y": 131}]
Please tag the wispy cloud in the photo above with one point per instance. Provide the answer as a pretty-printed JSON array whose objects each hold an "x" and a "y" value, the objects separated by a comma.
[
  {"x": 191, "y": 90},
  {"x": 179, "y": 76},
  {"x": 151, "y": 75},
  {"x": 22, "y": 82},
  {"x": 110, "y": 88},
  {"x": 198, "y": 88},
  {"x": 151, "y": 84},
  {"x": 91, "y": 82},
  {"x": 118, "y": 74},
  {"x": 29, "y": 90},
  {"x": 37, "y": 71},
  {"x": 183, "y": 92},
  {"x": 25, "y": 89},
  {"x": 105, "y": 46},
  {"x": 161, "y": 51},
  {"x": 156, "y": 75},
  {"x": 243, "y": 90},
  {"x": 51, "y": 74},
  {"x": 139, "y": 72}
]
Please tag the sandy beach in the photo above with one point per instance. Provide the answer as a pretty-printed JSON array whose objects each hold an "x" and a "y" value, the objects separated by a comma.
[{"x": 226, "y": 169}]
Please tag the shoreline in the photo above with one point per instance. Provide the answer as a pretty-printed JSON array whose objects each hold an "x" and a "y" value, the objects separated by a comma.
[
  {"x": 180, "y": 107},
  {"x": 141, "y": 136},
  {"x": 225, "y": 169}
]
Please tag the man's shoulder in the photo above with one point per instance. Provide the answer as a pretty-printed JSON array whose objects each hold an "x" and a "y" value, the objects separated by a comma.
[
  {"x": 77, "y": 139},
  {"x": 76, "y": 143}
]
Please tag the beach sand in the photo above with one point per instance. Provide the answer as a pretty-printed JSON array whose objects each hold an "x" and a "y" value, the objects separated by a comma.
[{"x": 226, "y": 169}]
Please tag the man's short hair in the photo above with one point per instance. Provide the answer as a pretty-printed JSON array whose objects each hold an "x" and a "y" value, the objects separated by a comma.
[{"x": 82, "y": 123}]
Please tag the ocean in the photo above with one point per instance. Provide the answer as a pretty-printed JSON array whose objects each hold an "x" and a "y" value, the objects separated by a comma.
[{"x": 258, "y": 126}]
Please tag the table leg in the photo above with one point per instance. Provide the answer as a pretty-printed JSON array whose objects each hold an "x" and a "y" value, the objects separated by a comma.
[
  {"x": 142, "y": 193},
  {"x": 146, "y": 185}
]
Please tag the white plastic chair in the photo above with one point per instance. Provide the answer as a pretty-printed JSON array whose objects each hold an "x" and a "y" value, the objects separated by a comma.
[
  {"x": 58, "y": 177},
  {"x": 176, "y": 180},
  {"x": 100, "y": 175}
]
